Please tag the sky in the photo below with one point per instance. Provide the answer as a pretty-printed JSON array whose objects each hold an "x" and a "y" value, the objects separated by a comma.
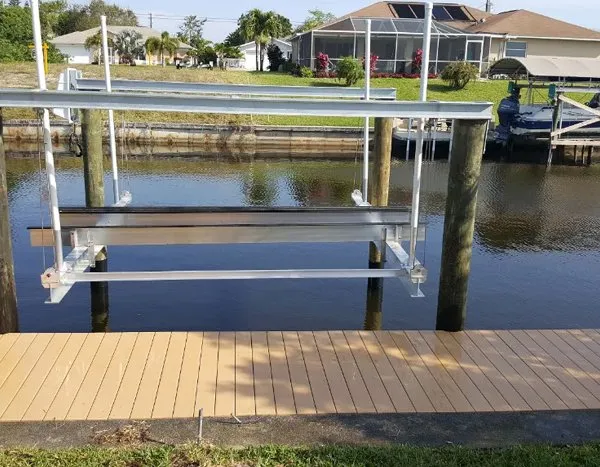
[{"x": 223, "y": 14}]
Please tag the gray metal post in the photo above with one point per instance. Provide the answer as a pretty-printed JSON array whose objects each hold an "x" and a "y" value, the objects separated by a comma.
[
  {"x": 459, "y": 223},
  {"x": 365, "y": 177},
  {"x": 9, "y": 317}
]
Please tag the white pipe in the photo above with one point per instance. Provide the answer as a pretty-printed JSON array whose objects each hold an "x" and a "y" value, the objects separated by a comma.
[
  {"x": 48, "y": 154},
  {"x": 365, "y": 184},
  {"x": 111, "y": 117},
  {"x": 414, "y": 221},
  {"x": 408, "y": 138}
]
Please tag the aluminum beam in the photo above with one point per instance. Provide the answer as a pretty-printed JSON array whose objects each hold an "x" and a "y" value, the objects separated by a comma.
[
  {"x": 219, "y": 235},
  {"x": 87, "y": 84},
  {"x": 20, "y": 98}
]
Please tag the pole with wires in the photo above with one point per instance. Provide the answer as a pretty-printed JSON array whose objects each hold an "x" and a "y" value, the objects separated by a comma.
[
  {"x": 111, "y": 116},
  {"x": 48, "y": 154},
  {"x": 416, "y": 195},
  {"x": 365, "y": 182}
]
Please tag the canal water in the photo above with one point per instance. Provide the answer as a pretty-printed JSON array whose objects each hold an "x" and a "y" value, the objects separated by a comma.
[{"x": 536, "y": 257}]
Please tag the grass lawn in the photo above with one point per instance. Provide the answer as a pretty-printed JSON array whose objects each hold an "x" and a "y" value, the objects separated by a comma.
[
  {"x": 191, "y": 455},
  {"x": 23, "y": 75}
]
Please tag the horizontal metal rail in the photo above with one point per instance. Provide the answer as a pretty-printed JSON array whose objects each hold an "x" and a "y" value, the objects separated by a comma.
[
  {"x": 219, "y": 235},
  {"x": 87, "y": 84},
  {"x": 223, "y": 216},
  {"x": 19, "y": 98}
]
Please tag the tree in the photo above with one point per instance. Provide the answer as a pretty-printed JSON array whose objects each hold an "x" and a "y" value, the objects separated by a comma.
[
  {"x": 261, "y": 27},
  {"x": 202, "y": 51},
  {"x": 275, "y": 57},
  {"x": 95, "y": 43},
  {"x": 128, "y": 44},
  {"x": 83, "y": 17},
  {"x": 315, "y": 19},
  {"x": 225, "y": 51},
  {"x": 191, "y": 30},
  {"x": 235, "y": 38},
  {"x": 50, "y": 13},
  {"x": 163, "y": 45}
]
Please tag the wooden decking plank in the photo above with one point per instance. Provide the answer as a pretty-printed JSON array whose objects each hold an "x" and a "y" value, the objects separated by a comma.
[
  {"x": 580, "y": 348},
  {"x": 495, "y": 356},
  {"x": 393, "y": 385},
  {"x": 6, "y": 342},
  {"x": 401, "y": 367},
  {"x": 11, "y": 385},
  {"x": 14, "y": 355},
  {"x": 458, "y": 374},
  {"x": 207, "y": 376},
  {"x": 439, "y": 372},
  {"x": 60, "y": 387},
  {"x": 169, "y": 379},
  {"x": 303, "y": 397},
  {"x": 559, "y": 365},
  {"x": 123, "y": 403},
  {"x": 503, "y": 385},
  {"x": 88, "y": 390},
  {"x": 146, "y": 395},
  {"x": 358, "y": 390},
  {"x": 263, "y": 380},
  {"x": 31, "y": 385},
  {"x": 543, "y": 367},
  {"x": 429, "y": 384},
  {"x": 225, "y": 397},
  {"x": 550, "y": 398},
  {"x": 109, "y": 387},
  {"x": 317, "y": 376},
  {"x": 375, "y": 387},
  {"x": 185, "y": 399},
  {"x": 578, "y": 367},
  {"x": 586, "y": 340},
  {"x": 282, "y": 384},
  {"x": 462, "y": 358},
  {"x": 245, "y": 403}
]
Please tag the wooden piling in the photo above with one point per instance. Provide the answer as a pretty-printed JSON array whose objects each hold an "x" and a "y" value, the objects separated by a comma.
[
  {"x": 93, "y": 159},
  {"x": 9, "y": 318},
  {"x": 459, "y": 223},
  {"x": 93, "y": 174}
]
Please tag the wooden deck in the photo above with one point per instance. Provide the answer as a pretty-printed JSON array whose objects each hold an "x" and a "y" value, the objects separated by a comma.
[{"x": 164, "y": 375}]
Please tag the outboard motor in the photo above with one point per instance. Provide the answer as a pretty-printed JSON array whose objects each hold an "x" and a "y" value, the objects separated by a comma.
[{"x": 507, "y": 113}]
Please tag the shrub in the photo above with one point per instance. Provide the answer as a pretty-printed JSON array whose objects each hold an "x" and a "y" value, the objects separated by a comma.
[
  {"x": 306, "y": 72},
  {"x": 323, "y": 62},
  {"x": 373, "y": 64},
  {"x": 275, "y": 56},
  {"x": 458, "y": 74},
  {"x": 350, "y": 70},
  {"x": 417, "y": 61}
]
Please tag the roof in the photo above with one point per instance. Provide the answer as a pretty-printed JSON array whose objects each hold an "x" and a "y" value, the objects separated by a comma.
[
  {"x": 79, "y": 37},
  {"x": 252, "y": 44},
  {"x": 387, "y": 10},
  {"x": 526, "y": 23},
  {"x": 548, "y": 68}
]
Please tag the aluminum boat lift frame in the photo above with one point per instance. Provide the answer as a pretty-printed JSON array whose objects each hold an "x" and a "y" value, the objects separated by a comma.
[{"x": 87, "y": 231}]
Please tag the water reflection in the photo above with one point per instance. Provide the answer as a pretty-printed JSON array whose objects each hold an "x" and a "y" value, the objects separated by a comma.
[
  {"x": 99, "y": 300},
  {"x": 536, "y": 252}
]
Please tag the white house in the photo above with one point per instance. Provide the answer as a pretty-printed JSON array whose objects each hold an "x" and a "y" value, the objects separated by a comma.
[
  {"x": 73, "y": 45},
  {"x": 249, "y": 52}
]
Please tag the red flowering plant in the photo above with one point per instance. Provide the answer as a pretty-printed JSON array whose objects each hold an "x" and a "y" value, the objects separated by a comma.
[
  {"x": 373, "y": 64},
  {"x": 323, "y": 64},
  {"x": 417, "y": 61}
]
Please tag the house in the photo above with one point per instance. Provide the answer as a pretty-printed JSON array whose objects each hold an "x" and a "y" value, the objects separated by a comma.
[
  {"x": 73, "y": 45},
  {"x": 249, "y": 53},
  {"x": 459, "y": 32}
]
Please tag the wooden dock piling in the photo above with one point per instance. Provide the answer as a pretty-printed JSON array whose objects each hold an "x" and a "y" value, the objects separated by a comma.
[
  {"x": 9, "y": 318},
  {"x": 93, "y": 172},
  {"x": 459, "y": 223}
]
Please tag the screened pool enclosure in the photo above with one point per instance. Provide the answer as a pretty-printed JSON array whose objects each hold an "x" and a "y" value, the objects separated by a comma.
[{"x": 394, "y": 41}]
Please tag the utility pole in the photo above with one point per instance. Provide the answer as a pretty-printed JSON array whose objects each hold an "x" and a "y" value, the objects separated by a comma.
[{"x": 488, "y": 6}]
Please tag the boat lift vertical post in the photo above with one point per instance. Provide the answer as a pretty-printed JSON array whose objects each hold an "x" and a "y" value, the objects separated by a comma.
[
  {"x": 111, "y": 117},
  {"x": 416, "y": 198},
  {"x": 365, "y": 181},
  {"x": 409, "y": 126},
  {"x": 48, "y": 154}
]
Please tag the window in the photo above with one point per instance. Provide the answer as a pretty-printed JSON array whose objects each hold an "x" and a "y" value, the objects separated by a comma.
[{"x": 516, "y": 49}]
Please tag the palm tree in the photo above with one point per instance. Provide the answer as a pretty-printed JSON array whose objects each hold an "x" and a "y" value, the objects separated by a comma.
[
  {"x": 128, "y": 45},
  {"x": 261, "y": 27},
  {"x": 165, "y": 44},
  {"x": 95, "y": 43}
]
